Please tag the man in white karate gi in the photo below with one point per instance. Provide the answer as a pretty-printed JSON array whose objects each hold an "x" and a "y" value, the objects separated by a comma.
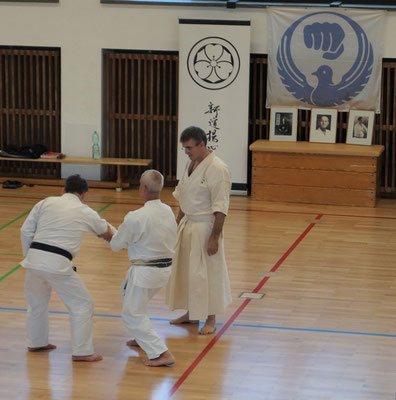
[
  {"x": 360, "y": 129},
  {"x": 51, "y": 237},
  {"x": 323, "y": 126},
  {"x": 199, "y": 280},
  {"x": 149, "y": 234}
]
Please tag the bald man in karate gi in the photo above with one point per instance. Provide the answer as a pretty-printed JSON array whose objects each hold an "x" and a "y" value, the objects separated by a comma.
[
  {"x": 199, "y": 280},
  {"x": 51, "y": 237},
  {"x": 149, "y": 234}
]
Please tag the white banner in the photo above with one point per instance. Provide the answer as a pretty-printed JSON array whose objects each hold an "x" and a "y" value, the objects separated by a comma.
[
  {"x": 323, "y": 58},
  {"x": 214, "y": 89}
]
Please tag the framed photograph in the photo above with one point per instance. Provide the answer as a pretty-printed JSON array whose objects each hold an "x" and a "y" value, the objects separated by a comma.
[
  {"x": 323, "y": 125},
  {"x": 283, "y": 124},
  {"x": 360, "y": 127}
]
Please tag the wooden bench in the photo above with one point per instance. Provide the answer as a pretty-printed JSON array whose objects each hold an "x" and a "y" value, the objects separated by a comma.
[
  {"x": 318, "y": 173},
  {"x": 118, "y": 162}
]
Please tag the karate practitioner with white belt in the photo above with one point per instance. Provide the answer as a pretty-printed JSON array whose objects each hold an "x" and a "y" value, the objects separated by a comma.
[
  {"x": 149, "y": 234},
  {"x": 51, "y": 237}
]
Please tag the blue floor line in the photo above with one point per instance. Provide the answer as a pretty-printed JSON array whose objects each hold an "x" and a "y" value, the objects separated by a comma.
[
  {"x": 239, "y": 325},
  {"x": 314, "y": 330}
]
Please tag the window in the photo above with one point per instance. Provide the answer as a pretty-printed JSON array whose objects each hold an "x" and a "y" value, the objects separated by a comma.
[{"x": 30, "y": 105}]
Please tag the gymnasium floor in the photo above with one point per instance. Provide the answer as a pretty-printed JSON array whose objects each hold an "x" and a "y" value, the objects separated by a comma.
[{"x": 325, "y": 329}]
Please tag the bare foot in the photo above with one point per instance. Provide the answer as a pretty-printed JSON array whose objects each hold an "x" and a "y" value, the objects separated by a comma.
[
  {"x": 165, "y": 359},
  {"x": 42, "y": 348},
  {"x": 90, "y": 358},
  {"x": 184, "y": 319},
  {"x": 209, "y": 327},
  {"x": 132, "y": 342}
]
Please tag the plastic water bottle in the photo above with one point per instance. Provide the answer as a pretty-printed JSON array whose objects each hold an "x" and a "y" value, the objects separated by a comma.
[{"x": 95, "y": 146}]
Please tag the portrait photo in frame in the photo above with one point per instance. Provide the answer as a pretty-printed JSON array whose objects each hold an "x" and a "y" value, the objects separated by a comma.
[
  {"x": 283, "y": 124},
  {"x": 360, "y": 127},
  {"x": 323, "y": 125}
]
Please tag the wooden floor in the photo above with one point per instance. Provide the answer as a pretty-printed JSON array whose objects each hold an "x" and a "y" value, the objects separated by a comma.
[{"x": 325, "y": 329}]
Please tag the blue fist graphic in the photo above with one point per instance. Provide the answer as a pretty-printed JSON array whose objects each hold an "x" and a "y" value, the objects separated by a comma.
[{"x": 325, "y": 36}]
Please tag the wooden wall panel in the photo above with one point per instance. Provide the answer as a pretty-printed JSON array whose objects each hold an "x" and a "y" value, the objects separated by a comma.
[
  {"x": 314, "y": 195},
  {"x": 293, "y": 177},
  {"x": 30, "y": 106},
  {"x": 315, "y": 162},
  {"x": 141, "y": 110},
  {"x": 315, "y": 178}
]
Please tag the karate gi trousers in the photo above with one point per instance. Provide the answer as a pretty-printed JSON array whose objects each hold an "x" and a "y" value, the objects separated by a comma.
[
  {"x": 134, "y": 316},
  {"x": 74, "y": 294}
]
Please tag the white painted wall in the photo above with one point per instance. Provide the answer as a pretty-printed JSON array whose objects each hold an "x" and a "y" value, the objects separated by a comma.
[{"x": 82, "y": 28}]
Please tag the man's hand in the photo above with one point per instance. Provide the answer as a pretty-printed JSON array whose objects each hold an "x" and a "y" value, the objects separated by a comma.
[
  {"x": 107, "y": 235},
  {"x": 180, "y": 216},
  {"x": 213, "y": 245}
]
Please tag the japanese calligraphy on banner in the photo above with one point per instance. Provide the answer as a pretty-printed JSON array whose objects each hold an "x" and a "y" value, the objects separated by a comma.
[
  {"x": 323, "y": 58},
  {"x": 214, "y": 89}
]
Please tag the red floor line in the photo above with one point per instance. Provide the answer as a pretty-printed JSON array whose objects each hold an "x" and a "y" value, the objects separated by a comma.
[
  {"x": 231, "y": 209},
  {"x": 23, "y": 197},
  {"x": 209, "y": 346},
  {"x": 188, "y": 371},
  {"x": 42, "y": 198},
  {"x": 358, "y": 216},
  {"x": 291, "y": 248},
  {"x": 312, "y": 213},
  {"x": 270, "y": 211},
  {"x": 273, "y": 211}
]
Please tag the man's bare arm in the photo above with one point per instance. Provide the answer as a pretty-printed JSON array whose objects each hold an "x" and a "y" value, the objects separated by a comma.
[{"x": 213, "y": 242}]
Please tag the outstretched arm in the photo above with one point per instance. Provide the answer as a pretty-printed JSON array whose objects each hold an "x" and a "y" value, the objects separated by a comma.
[{"x": 108, "y": 234}]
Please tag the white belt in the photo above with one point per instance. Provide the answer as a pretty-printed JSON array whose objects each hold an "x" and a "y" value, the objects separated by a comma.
[{"x": 200, "y": 218}]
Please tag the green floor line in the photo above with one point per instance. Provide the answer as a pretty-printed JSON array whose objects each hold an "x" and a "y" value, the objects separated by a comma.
[
  {"x": 22, "y": 195},
  {"x": 104, "y": 207},
  {"x": 15, "y": 219},
  {"x": 14, "y": 269},
  {"x": 11, "y": 254},
  {"x": 43, "y": 197},
  {"x": 5, "y": 226},
  {"x": 101, "y": 200},
  {"x": 10, "y": 272},
  {"x": 17, "y": 202}
]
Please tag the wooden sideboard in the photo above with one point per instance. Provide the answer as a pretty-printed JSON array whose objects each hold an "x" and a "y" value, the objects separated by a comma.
[{"x": 318, "y": 173}]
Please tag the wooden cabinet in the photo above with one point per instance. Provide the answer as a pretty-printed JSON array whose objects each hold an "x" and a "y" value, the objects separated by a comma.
[{"x": 319, "y": 173}]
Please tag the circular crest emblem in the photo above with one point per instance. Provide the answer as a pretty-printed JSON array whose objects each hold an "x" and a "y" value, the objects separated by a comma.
[{"x": 213, "y": 63}]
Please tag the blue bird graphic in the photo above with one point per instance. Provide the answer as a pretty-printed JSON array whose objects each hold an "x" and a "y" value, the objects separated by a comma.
[{"x": 323, "y": 94}]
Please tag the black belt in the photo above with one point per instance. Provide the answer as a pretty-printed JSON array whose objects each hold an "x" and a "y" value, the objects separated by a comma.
[
  {"x": 159, "y": 263},
  {"x": 51, "y": 249}
]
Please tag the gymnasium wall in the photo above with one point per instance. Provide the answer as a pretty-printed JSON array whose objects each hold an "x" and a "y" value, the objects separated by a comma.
[{"x": 82, "y": 28}]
